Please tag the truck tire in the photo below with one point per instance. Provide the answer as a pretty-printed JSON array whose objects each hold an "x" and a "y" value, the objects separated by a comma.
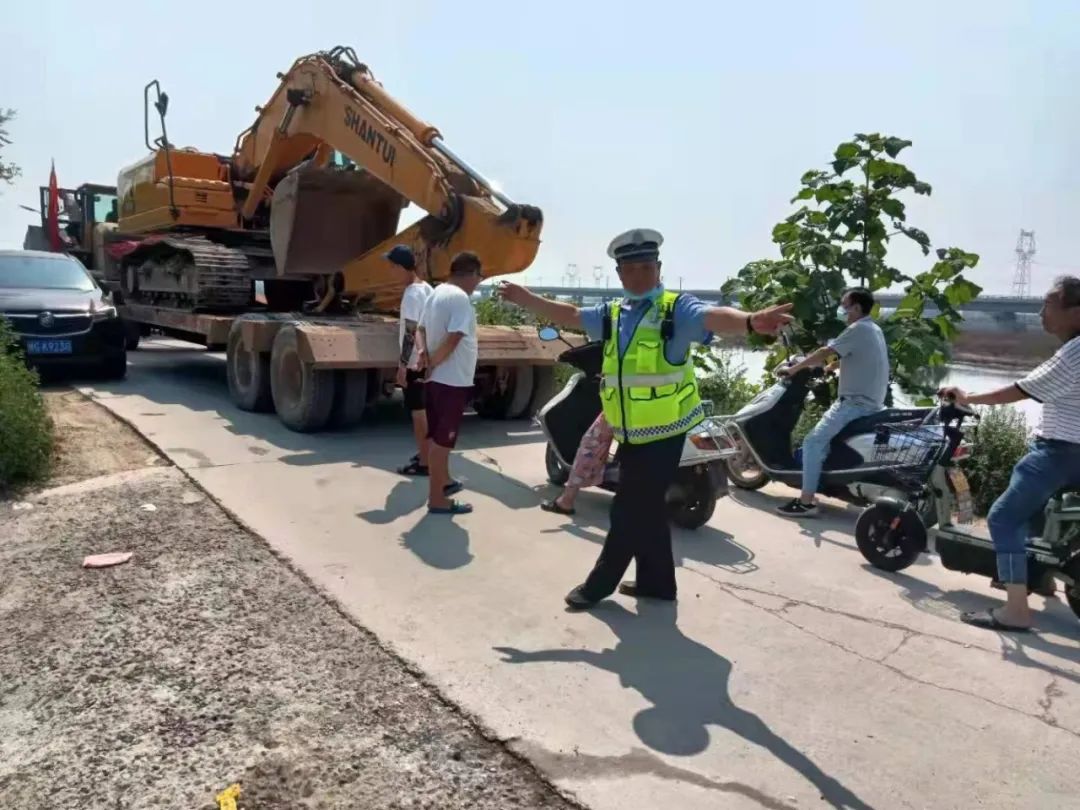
[
  {"x": 350, "y": 397},
  {"x": 248, "y": 374},
  {"x": 545, "y": 386},
  {"x": 303, "y": 396},
  {"x": 132, "y": 335},
  {"x": 513, "y": 403}
]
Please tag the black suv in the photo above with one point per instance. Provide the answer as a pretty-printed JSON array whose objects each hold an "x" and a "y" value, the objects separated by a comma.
[{"x": 58, "y": 312}]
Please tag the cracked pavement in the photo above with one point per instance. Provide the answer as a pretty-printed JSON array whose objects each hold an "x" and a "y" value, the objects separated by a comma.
[{"x": 789, "y": 674}]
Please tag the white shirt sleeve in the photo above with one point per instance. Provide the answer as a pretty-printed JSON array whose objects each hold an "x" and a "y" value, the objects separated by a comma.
[
  {"x": 843, "y": 343},
  {"x": 1053, "y": 380},
  {"x": 462, "y": 316}
]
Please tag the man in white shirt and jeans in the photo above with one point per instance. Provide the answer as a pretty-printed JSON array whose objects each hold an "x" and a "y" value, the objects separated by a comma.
[
  {"x": 409, "y": 374},
  {"x": 1052, "y": 463},
  {"x": 449, "y": 350}
]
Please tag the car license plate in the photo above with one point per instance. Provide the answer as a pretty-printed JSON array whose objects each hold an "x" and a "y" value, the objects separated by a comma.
[{"x": 48, "y": 347}]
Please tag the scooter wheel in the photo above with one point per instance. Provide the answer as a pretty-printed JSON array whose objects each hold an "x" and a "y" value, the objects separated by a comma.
[
  {"x": 557, "y": 472},
  {"x": 889, "y": 538}
]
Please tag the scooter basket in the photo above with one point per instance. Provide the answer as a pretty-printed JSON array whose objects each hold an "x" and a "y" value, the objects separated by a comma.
[{"x": 909, "y": 449}]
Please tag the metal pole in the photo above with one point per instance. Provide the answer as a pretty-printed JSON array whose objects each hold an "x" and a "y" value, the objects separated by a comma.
[{"x": 469, "y": 170}]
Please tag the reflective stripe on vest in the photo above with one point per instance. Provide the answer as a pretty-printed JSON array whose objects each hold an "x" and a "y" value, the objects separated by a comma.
[
  {"x": 644, "y": 380},
  {"x": 644, "y": 397}
]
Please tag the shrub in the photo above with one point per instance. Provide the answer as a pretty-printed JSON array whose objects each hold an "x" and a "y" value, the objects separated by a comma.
[
  {"x": 722, "y": 379},
  {"x": 26, "y": 436},
  {"x": 999, "y": 442}
]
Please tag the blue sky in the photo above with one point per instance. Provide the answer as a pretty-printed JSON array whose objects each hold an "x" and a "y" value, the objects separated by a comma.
[{"x": 696, "y": 120}]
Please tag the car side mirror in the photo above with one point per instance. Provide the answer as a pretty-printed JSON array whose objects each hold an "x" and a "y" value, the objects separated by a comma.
[{"x": 548, "y": 333}]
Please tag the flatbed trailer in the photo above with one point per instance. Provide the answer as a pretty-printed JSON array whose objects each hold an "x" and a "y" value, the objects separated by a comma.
[{"x": 318, "y": 371}]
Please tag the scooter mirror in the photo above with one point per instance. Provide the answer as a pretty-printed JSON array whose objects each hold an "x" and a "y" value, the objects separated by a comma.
[{"x": 547, "y": 333}]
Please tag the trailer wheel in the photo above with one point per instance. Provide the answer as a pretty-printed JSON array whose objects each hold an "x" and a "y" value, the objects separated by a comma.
[
  {"x": 512, "y": 402},
  {"x": 248, "y": 374},
  {"x": 351, "y": 389},
  {"x": 303, "y": 396},
  {"x": 545, "y": 386}
]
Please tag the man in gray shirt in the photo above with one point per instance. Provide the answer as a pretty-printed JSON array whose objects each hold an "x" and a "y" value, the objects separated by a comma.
[{"x": 864, "y": 379}]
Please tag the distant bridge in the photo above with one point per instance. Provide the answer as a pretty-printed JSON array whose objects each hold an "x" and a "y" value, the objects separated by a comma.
[{"x": 1003, "y": 305}]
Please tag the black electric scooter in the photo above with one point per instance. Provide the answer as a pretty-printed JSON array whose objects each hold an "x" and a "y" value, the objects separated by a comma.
[
  {"x": 891, "y": 535},
  {"x": 568, "y": 415},
  {"x": 762, "y": 430}
]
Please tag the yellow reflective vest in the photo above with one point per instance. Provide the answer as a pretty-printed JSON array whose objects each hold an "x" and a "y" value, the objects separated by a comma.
[{"x": 644, "y": 397}]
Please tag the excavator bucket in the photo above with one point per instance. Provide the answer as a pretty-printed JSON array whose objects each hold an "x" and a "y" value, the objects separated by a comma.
[{"x": 322, "y": 218}]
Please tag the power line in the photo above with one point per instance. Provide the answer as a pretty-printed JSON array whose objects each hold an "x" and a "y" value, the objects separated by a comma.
[{"x": 1025, "y": 251}]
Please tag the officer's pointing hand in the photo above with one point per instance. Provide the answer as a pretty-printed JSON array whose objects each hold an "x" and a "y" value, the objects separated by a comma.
[
  {"x": 514, "y": 293},
  {"x": 770, "y": 321}
]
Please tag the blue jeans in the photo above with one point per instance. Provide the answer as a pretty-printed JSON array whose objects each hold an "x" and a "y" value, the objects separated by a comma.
[
  {"x": 815, "y": 448},
  {"x": 1048, "y": 467}
]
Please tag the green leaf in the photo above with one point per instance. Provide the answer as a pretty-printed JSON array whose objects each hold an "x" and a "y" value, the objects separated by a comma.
[
  {"x": 894, "y": 208},
  {"x": 805, "y": 194},
  {"x": 894, "y": 146},
  {"x": 961, "y": 292},
  {"x": 924, "y": 402},
  {"x": 785, "y": 232},
  {"x": 920, "y": 187},
  {"x": 846, "y": 151},
  {"x": 841, "y": 165}
]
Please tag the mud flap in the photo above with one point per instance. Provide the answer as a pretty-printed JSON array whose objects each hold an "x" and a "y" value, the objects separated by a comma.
[{"x": 320, "y": 219}]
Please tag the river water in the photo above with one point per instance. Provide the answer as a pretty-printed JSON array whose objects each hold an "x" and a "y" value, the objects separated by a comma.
[{"x": 976, "y": 379}]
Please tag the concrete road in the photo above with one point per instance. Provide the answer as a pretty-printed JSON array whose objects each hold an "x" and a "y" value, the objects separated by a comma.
[{"x": 789, "y": 676}]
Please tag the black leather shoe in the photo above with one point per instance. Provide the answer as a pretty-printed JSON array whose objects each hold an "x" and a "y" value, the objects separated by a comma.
[
  {"x": 630, "y": 588},
  {"x": 577, "y": 600}
]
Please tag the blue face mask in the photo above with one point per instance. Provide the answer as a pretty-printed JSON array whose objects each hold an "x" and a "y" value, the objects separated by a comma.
[{"x": 651, "y": 295}]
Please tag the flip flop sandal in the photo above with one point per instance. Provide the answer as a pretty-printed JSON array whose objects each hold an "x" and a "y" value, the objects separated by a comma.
[
  {"x": 986, "y": 620},
  {"x": 553, "y": 506},
  {"x": 455, "y": 508},
  {"x": 414, "y": 467},
  {"x": 453, "y": 488}
]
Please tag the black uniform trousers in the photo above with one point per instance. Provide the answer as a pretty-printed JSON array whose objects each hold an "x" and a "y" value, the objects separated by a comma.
[{"x": 639, "y": 522}]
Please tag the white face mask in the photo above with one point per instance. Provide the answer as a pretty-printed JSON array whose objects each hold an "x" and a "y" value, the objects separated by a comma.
[{"x": 841, "y": 313}]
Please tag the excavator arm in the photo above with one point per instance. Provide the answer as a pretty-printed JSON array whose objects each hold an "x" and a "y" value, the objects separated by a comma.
[{"x": 329, "y": 221}]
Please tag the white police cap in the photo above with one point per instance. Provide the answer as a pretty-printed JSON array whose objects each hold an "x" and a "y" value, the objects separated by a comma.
[{"x": 639, "y": 243}]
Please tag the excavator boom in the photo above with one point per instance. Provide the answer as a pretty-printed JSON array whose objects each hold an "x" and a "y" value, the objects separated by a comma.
[{"x": 326, "y": 220}]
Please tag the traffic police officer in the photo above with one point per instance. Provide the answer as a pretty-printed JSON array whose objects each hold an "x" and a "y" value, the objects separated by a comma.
[{"x": 650, "y": 399}]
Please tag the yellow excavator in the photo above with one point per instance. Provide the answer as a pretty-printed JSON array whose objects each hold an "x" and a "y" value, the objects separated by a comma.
[{"x": 308, "y": 203}]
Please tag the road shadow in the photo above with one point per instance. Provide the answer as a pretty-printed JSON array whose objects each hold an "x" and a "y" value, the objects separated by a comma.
[
  {"x": 439, "y": 542},
  {"x": 707, "y": 545},
  {"x": 195, "y": 379},
  {"x": 687, "y": 687},
  {"x": 1054, "y": 618}
]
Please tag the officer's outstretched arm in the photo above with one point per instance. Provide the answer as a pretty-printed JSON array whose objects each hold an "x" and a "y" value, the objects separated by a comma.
[
  {"x": 728, "y": 320},
  {"x": 558, "y": 312}
]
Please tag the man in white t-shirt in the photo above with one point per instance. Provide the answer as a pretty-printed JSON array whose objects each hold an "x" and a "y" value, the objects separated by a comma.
[
  {"x": 409, "y": 374},
  {"x": 448, "y": 353},
  {"x": 1051, "y": 464}
]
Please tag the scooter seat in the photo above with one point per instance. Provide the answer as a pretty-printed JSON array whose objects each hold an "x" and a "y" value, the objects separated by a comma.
[{"x": 864, "y": 424}]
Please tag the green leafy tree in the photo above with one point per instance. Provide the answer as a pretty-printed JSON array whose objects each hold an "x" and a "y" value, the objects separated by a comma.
[
  {"x": 8, "y": 170},
  {"x": 839, "y": 237}
]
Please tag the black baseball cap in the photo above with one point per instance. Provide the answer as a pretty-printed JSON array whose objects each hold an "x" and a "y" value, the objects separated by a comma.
[{"x": 402, "y": 256}]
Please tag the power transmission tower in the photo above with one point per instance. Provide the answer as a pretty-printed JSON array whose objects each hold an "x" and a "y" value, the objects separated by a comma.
[{"x": 1025, "y": 251}]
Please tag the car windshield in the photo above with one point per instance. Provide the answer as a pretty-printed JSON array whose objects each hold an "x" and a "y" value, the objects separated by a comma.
[{"x": 44, "y": 272}]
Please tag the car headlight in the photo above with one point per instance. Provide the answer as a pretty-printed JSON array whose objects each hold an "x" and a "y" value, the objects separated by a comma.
[{"x": 103, "y": 312}]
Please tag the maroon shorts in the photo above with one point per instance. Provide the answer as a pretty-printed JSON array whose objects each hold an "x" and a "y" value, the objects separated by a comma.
[{"x": 445, "y": 405}]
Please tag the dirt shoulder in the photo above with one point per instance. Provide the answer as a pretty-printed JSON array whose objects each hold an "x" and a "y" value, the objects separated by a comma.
[{"x": 202, "y": 662}]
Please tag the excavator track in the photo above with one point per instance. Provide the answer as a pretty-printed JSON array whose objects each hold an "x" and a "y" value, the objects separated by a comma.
[{"x": 192, "y": 272}]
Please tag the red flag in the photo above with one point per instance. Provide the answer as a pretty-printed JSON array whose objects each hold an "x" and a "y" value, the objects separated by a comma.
[{"x": 52, "y": 222}]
